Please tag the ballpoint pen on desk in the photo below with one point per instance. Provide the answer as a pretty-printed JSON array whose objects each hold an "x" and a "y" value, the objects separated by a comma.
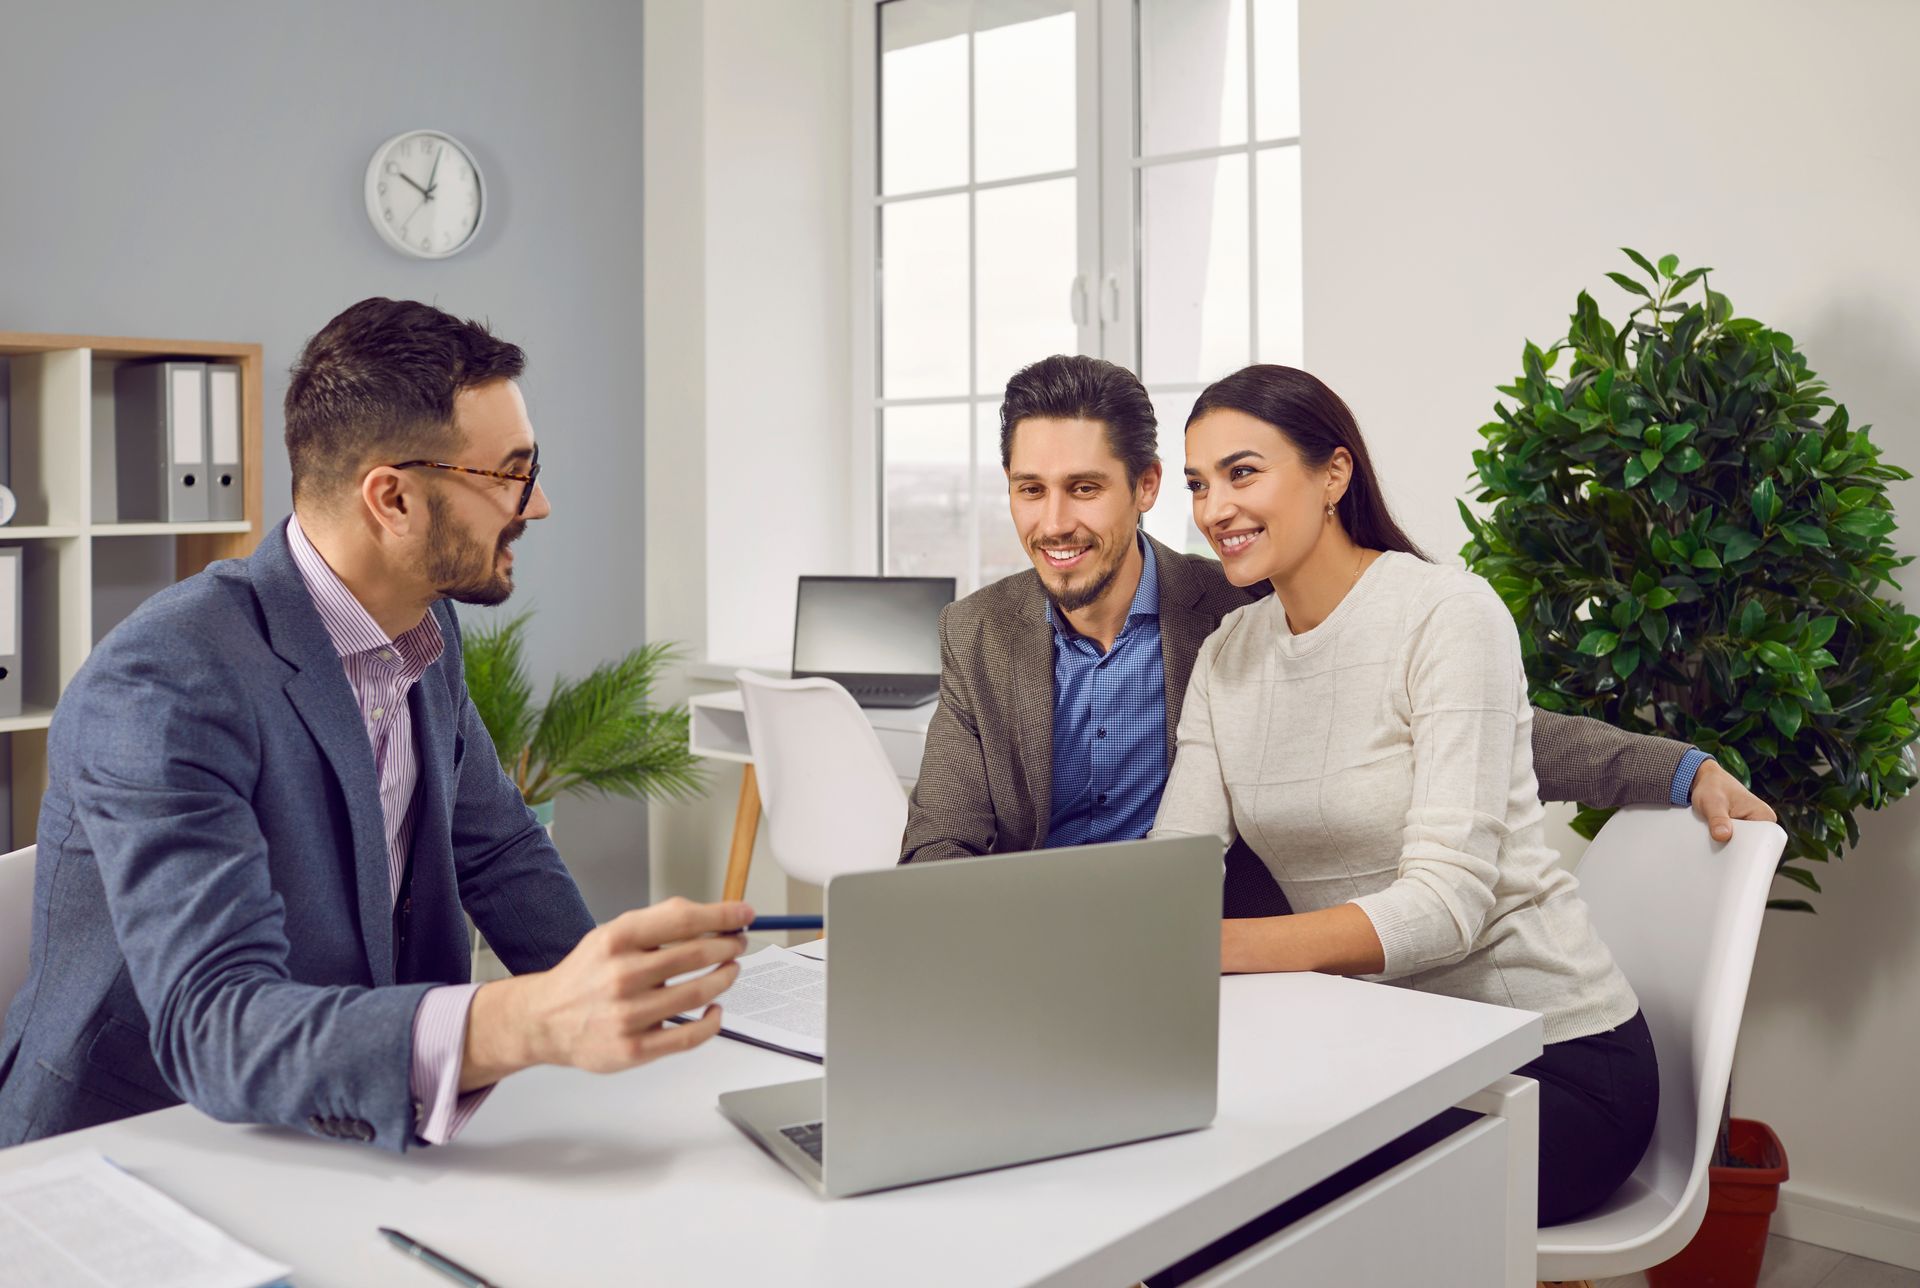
[
  {"x": 427, "y": 1256},
  {"x": 789, "y": 922}
]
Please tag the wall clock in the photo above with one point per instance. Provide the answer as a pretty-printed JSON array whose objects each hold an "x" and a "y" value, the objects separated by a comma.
[{"x": 425, "y": 195}]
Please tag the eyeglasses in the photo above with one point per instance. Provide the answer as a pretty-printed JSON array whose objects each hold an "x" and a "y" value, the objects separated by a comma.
[{"x": 531, "y": 477}]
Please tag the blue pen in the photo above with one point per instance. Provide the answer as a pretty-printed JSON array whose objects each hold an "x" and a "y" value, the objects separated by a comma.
[
  {"x": 789, "y": 923},
  {"x": 427, "y": 1256}
]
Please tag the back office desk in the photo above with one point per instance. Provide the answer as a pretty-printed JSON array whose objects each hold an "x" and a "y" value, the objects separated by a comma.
[{"x": 564, "y": 1178}]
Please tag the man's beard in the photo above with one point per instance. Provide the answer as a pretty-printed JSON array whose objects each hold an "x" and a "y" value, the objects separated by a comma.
[
  {"x": 461, "y": 568},
  {"x": 1074, "y": 598}
]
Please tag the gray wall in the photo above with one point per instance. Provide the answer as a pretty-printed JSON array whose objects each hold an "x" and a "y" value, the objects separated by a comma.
[{"x": 194, "y": 169}]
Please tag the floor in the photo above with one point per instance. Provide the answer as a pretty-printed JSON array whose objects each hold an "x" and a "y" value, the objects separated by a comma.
[{"x": 1802, "y": 1265}]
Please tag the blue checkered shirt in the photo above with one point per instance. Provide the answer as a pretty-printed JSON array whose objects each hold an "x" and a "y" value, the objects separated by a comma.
[{"x": 1109, "y": 725}]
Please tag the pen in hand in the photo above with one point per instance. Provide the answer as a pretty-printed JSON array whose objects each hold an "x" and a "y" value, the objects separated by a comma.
[{"x": 427, "y": 1256}]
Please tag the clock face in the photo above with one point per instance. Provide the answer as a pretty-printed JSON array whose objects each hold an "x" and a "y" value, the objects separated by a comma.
[{"x": 425, "y": 194}]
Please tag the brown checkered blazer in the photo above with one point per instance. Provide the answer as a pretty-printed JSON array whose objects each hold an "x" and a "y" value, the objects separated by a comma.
[{"x": 986, "y": 778}]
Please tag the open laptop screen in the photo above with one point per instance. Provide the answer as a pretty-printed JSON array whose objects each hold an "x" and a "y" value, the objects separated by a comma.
[{"x": 869, "y": 625}]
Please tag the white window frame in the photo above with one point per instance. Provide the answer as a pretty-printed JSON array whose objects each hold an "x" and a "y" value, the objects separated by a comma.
[{"x": 1106, "y": 285}]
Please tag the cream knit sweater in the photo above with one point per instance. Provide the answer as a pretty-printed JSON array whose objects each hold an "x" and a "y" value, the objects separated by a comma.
[{"x": 1385, "y": 758}]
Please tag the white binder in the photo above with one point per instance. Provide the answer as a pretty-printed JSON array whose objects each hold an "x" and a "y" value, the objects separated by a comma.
[
  {"x": 10, "y": 630},
  {"x": 226, "y": 496},
  {"x": 160, "y": 441}
]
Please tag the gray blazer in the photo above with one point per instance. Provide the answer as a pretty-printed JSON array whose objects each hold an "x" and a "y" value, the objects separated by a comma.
[
  {"x": 212, "y": 916},
  {"x": 986, "y": 778}
]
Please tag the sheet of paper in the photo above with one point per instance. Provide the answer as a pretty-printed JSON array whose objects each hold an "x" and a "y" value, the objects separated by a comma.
[
  {"x": 81, "y": 1222},
  {"x": 781, "y": 999}
]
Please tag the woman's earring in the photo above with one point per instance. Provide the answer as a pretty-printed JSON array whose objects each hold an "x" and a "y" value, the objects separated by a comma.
[{"x": 1329, "y": 509}]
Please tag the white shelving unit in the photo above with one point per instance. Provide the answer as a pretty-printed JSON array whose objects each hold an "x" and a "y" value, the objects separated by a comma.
[{"x": 59, "y": 404}]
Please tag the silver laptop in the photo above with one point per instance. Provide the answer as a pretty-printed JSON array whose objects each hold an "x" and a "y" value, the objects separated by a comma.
[
  {"x": 984, "y": 1012},
  {"x": 878, "y": 637}
]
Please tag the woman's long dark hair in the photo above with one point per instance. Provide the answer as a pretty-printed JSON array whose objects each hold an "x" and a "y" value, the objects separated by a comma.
[{"x": 1315, "y": 420}]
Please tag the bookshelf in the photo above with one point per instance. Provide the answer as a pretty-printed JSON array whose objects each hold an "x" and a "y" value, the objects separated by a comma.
[{"x": 83, "y": 571}]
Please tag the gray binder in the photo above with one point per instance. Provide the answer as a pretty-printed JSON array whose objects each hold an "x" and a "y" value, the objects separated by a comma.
[
  {"x": 226, "y": 497},
  {"x": 160, "y": 441},
  {"x": 10, "y": 630}
]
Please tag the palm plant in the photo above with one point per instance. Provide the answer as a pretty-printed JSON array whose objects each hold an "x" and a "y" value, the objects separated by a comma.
[{"x": 599, "y": 734}]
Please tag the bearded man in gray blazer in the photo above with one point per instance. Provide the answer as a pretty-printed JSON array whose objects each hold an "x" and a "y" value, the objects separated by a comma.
[{"x": 1060, "y": 687}]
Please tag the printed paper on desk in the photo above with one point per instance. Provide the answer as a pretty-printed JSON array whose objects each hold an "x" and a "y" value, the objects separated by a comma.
[
  {"x": 81, "y": 1221},
  {"x": 779, "y": 1000}
]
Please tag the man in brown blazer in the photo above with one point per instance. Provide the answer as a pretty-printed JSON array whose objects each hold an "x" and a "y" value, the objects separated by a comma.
[{"x": 1048, "y": 674}]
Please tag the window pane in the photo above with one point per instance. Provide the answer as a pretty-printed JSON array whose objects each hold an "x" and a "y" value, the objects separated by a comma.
[
  {"x": 1194, "y": 296},
  {"x": 1023, "y": 88},
  {"x": 1001, "y": 554},
  {"x": 928, "y": 496},
  {"x": 1170, "y": 522},
  {"x": 923, "y": 95},
  {"x": 1276, "y": 69},
  {"x": 1193, "y": 74},
  {"x": 1025, "y": 250},
  {"x": 1280, "y": 285},
  {"x": 923, "y": 297}
]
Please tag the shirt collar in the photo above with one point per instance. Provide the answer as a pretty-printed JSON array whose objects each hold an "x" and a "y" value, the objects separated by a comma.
[
  {"x": 1146, "y": 597},
  {"x": 349, "y": 625}
]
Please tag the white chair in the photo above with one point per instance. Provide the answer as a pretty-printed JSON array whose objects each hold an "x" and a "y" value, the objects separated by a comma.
[
  {"x": 1681, "y": 913},
  {"x": 829, "y": 792},
  {"x": 16, "y": 922}
]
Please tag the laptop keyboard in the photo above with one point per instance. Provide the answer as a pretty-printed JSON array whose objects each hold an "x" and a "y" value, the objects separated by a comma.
[{"x": 809, "y": 1137}]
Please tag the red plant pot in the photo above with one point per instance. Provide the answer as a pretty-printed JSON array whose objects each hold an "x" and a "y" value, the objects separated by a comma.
[{"x": 1727, "y": 1251}]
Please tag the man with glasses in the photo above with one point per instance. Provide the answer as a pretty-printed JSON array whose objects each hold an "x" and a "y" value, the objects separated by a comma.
[{"x": 272, "y": 805}]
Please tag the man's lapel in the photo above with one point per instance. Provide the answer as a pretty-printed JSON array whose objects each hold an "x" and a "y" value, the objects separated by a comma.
[
  {"x": 320, "y": 693},
  {"x": 1030, "y": 650},
  {"x": 1184, "y": 626}
]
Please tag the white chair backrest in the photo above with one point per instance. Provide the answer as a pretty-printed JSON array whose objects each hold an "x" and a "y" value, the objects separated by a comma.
[
  {"x": 1681, "y": 913},
  {"x": 831, "y": 799},
  {"x": 16, "y": 922}
]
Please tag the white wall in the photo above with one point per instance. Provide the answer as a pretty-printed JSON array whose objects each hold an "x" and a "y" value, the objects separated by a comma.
[
  {"x": 1468, "y": 168},
  {"x": 748, "y": 371}
]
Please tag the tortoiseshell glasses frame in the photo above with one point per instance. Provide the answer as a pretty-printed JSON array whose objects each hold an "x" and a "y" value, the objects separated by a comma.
[{"x": 531, "y": 477}]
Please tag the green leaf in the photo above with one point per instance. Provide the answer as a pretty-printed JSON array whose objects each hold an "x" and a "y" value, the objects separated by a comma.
[
  {"x": 1786, "y": 716},
  {"x": 1735, "y": 764},
  {"x": 1635, "y": 473},
  {"x": 1806, "y": 534},
  {"x": 1686, "y": 460},
  {"x": 1789, "y": 905},
  {"x": 1626, "y": 283},
  {"x": 1651, "y": 458},
  {"x": 1599, "y": 643},
  {"x": 1796, "y": 874},
  {"x": 1820, "y": 630},
  {"x": 1626, "y": 661},
  {"x": 1642, "y": 261},
  {"x": 1751, "y": 619},
  {"x": 1667, "y": 264},
  {"x": 1705, "y": 558},
  {"x": 1777, "y": 656},
  {"x": 1739, "y": 546},
  {"x": 1766, "y": 505},
  {"x": 1660, "y": 597}
]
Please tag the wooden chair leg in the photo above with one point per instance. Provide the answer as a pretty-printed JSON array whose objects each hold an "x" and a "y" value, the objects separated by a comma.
[{"x": 746, "y": 826}]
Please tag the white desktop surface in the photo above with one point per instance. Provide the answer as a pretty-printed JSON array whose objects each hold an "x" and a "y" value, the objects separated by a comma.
[{"x": 568, "y": 1178}]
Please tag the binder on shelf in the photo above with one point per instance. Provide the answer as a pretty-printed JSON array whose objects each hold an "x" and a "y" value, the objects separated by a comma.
[
  {"x": 160, "y": 441},
  {"x": 226, "y": 497},
  {"x": 10, "y": 630}
]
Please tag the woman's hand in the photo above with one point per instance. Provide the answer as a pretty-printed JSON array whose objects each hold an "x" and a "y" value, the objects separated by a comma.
[{"x": 1338, "y": 941}]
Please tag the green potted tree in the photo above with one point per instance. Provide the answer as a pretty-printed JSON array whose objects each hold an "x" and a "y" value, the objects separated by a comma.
[
  {"x": 600, "y": 734},
  {"x": 1693, "y": 538}
]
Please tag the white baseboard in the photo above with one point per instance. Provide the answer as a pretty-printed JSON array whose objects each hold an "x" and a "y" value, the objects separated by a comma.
[{"x": 1847, "y": 1227}]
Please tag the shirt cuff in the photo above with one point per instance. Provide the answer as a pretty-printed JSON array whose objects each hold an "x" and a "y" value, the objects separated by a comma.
[
  {"x": 1682, "y": 793},
  {"x": 440, "y": 1110}
]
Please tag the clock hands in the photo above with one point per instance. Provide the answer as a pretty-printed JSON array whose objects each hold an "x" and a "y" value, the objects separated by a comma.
[
  {"x": 432, "y": 172},
  {"x": 426, "y": 192}
]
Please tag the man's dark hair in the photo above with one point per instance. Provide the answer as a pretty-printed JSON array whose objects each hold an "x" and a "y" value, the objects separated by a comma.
[
  {"x": 376, "y": 387},
  {"x": 1076, "y": 387}
]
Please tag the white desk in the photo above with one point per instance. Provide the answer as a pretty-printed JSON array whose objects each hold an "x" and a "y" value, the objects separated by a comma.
[
  {"x": 566, "y": 1178},
  {"x": 717, "y": 730}
]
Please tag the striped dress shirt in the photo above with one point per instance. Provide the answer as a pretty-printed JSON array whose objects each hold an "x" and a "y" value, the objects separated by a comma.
[{"x": 382, "y": 673}]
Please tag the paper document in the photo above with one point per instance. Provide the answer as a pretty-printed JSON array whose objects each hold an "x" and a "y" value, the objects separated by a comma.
[
  {"x": 80, "y": 1221},
  {"x": 779, "y": 1001}
]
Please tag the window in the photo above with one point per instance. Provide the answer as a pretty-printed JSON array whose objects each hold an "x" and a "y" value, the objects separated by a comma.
[{"x": 1112, "y": 177}]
